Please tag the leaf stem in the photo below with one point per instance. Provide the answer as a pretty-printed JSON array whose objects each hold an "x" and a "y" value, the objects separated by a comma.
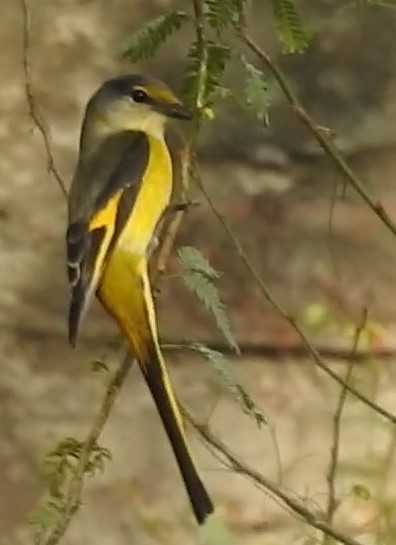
[
  {"x": 72, "y": 498},
  {"x": 34, "y": 111},
  {"x": 336, "y": 428},
  {"x": 232, "y": 461},
  {"x": 317, "y": 358},
  {"x": 317, "y": 132}
]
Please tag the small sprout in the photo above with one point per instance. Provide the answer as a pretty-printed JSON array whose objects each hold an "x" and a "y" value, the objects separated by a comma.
[
  {"x": 208, "y": 113},
  {"x": 361, "y": 491},
  {"x": 99, "y": 365}
]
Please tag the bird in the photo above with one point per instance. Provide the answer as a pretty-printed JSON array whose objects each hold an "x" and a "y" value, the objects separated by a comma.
[{"x": 120, "y": 191}]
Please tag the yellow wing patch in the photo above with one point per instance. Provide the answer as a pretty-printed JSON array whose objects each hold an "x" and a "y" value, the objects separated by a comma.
[{"x": 105, "y": 217}]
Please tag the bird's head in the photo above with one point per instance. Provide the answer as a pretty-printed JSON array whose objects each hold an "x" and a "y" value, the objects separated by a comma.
[{"x": 135, "y": 103}]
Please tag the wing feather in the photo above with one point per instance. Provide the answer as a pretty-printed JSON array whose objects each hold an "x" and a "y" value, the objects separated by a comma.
[{"x": 96, "y": 216}]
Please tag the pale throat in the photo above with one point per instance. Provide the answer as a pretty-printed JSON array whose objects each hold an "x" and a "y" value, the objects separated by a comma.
[
  {"x": 151, "y": 123},
  {"x": 154, "y": 125}
]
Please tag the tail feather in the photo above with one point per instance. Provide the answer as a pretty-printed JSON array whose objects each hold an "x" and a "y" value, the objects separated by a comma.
[
  {"x": 156, "y": 375},
  {"x": 160, "y": 390},
  {"x": 130, "y": 302}
]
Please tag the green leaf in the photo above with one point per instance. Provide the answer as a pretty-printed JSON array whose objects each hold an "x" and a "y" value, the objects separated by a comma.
[
  {"x": 190, "y": 86},
  {"x": 293, "y": 37},
  {"x": 199, "y": 277},
  {"x": 98, "y": 457},
  {"x": 145, "y": 42},
  {"x": 197, "y": 262},
  {"x": 256, "y": 92},
  {"x": 62, "y": 460},
  {"x": 222, "y": 367},
  {"x": 222, "y": 13},
  {"x": 217, "y": 56},
  {"x": 98, "y": 365},
  {"x": 45, "y": 516},
  {"x": 361, "y": 491}
]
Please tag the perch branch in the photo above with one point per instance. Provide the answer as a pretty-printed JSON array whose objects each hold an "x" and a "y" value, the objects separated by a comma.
[{"x": 316, "y": 131}]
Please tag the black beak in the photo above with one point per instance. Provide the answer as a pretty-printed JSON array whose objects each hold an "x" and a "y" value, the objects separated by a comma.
[{"x": 177, "y": 110}]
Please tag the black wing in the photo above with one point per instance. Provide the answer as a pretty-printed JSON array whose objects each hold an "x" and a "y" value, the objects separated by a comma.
[{"x": 105, "y": 185}]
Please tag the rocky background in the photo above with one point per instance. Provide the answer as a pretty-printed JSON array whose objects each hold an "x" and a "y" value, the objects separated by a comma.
[{"x": 324, "y": 263}]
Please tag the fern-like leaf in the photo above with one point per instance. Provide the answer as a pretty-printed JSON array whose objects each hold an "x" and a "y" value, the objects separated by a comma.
[
  {"x": 46, "y": 516},
  {"x": 199, "y": 277},
  {"x": 217, "y": 56},
  {"x": 256, "y": 92},
  {"x": 190, "y": 86},
  {"x": 293, "y": 37},
  {"x": 221, "y": 365},
  {"x": 221, "y": 13},
  {"x": 195, "y": 261},
  {"x": 145, "y": 42}
]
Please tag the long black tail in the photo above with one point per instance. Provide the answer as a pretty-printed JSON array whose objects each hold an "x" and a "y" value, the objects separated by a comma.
[
  {"x": 140, "y": 329},
  {"x": 158, "y": 382}
]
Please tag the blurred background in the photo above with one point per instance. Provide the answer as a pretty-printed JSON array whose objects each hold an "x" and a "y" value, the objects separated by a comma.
[{"x": 321, "y": 251}]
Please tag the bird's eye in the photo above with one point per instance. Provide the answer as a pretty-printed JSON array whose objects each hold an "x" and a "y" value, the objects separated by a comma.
[{"x": 139, "y": 95}]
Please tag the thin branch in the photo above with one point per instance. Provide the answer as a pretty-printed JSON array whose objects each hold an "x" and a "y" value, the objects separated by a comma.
[
  {"x": 202, "y": 52},
  {"x": 72, "y": 497},
  {"x": 317, "y": 358},
  {"x": 169, "y": 242},
  {"x": 34, "y": 111},
  {"x": 296, "y": 506},
  {"x": 174, "y": 225},
  {"x": 190, "y": 142},
  {"x": 336, "y": 429},
  {"x": 317, "y": 132}
]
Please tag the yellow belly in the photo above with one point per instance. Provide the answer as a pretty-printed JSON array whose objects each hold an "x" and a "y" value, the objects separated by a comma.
[{"x": 121, "y": 288}]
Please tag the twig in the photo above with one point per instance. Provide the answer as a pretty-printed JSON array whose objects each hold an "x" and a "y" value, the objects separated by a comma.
[
  {"x": 72, "y": 498},
  {"x": 167, "y": 246},
  {"x": 34, "y": 111},
  {"x": 317, "y": 132},
  {"x": 336, "y": 429},
  {"x": 190, "y": 143},
  {"x": 317, "y": 358},
  {"x": 232, "y": 461},
  {"x": 175, "y": 223},
  {"x": 202, "y": 52}
]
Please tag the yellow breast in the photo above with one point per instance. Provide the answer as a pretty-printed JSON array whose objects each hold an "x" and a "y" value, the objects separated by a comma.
[{"x": 153, "y": 197}]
